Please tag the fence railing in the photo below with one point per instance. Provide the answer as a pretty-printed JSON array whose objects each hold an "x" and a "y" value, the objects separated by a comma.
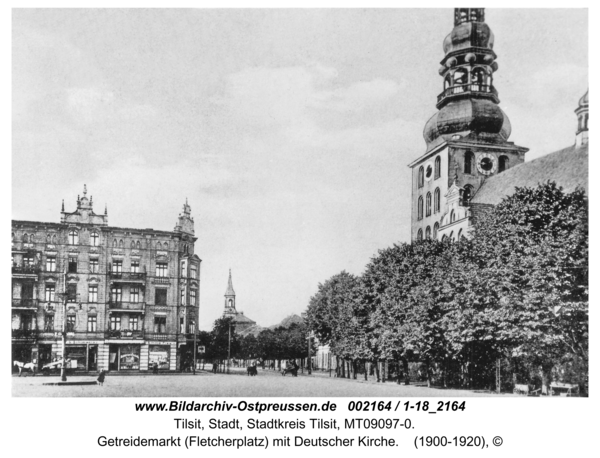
[
  {"x": 467, "y": 88},
  {"x": 25, "y": 303}
]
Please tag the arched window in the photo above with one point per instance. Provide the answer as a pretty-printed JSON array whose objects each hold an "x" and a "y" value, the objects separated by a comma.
[
  {"x": 452, "y": 216},
  {"x": 137, "y": 245},
  {"x": 459, "y": 235},
  {"x": 467, "y": 194},
  {"x": 437, "y": 168},
  {"x": 436, "y": 200},
  {"x": 48, "y": 238},
  {"x": 428, "y": 233},
  {"x": 436, "y": 226},
  {"x": 421, "y": 177},
  {"x": 428, "y": 204},
  {"x": 478, "y": 77},
  {"x": 54, "y": 239},
  {"x": 115, "y": 243},
  {"x": 132, "y": 244},
  {"x": 94, "y": 238},
  {"x": 460, "y": 77},
  {"x": 444, "y": 238},
  {"x": 420, "y": 235},
  {"x": 502, "y": 163},
  {"x": 447, "y": 81},
  {"x": 158, "y": 246},
  {"x": 25, "y": 238},
  {"x": 451, "y": 235},
  {"x": 73, "y": 237},
  {"x": 420, "y": 208},
  {"x": 121, "y": 243},
  {"x": 469, "y": 161},
  {"x": 166, "y": 245}
]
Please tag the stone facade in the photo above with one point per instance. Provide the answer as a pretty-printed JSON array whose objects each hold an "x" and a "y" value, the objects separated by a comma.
[{"x": 131, "y": 296}]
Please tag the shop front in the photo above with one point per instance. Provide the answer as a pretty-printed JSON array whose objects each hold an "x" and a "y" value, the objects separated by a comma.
[
  {"x": 124, "y": 357},
  {"x": 158, "y": 357}
]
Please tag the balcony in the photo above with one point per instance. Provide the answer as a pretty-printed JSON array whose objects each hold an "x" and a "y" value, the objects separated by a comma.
[
  {"x": 24, "y": 334},
  {"x": 127, "y": 277},
  {"x": 470, "y": 89},
  {"x": 25, "y": 270},
  {"x": 133, "y": 306},
  {"x": 162, "y": 280},
  {"x": 25, "y": 303},
  {"x": 159, "y": 336},
  {"x": 124, "y": 334}
]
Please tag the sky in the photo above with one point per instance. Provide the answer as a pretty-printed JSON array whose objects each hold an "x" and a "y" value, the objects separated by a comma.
[{"x": 288, "y": 131}]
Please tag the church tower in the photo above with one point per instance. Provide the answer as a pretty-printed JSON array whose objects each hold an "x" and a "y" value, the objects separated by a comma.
[
  {"x": 583, "y": 113},
  {"x": 467, "y": 139},
  {"x": 230, "y": 299}
]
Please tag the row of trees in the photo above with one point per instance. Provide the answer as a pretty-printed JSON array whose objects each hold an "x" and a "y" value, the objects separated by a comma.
[
  {"x": 271, "y": 345},
  {"x": 511, "y": 300}
]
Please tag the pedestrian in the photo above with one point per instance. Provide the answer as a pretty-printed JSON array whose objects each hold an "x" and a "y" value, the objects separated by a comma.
[
  {"x": 101, "y": 377},
  {"x": 155, "y": 368}
]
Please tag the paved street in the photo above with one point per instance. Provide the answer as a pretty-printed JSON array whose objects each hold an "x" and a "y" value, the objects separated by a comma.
[{"x": 266, "y": 383}]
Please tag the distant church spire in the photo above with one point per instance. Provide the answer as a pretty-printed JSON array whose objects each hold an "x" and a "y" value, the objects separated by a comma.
[{"x": 230, "y": 297}]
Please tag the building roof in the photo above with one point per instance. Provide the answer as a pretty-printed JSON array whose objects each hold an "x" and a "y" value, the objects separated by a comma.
[
  {"x": 567, "y": 167},
  {"x": 241, "y": 318}
]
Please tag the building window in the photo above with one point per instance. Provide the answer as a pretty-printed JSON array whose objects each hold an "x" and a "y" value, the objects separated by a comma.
[
  {"x": 469, "y": 161},
  {"x": 94, "y": 265},
  {"x": 192, "y": 297},
  {"x": 421, "y": 176},
  {"x": 160, "y": 324},
  {"x": 49, "y": 323},
  {"x": 460, "y": 77},
  {"x": 435, "y": 230},
  {"x": 452, "y": 217},
  {"x": 135, "y": 267},
  {"x": 467, "y": 194},
  {"x": 420, "y": 208},
  {"x": 117, "y": 267},
  {"x": 502, "y": 163},
  {"x": 420, "y": 235},
  {"x": 94, "y": 238},
  {"x": 93, "y": 293},
  {"x": 193, "y": 271},
  {"x": 183, "y": 297},
  {"x": 50, "y": 292},
  {"x": 51, "y": 264},
  {"x": 428, "y": 233},
  {"x": 436, "y": 200},
  {"x": 115, "y": 323},
  {"x": 72, "y": 293},
  {"x": 160, "y": 296},
  {"x": 73, "y": 237},
  {"x": 116, "y": 294},
  {"x": 72, "y": 265},
  {"x": 134, "y": 323},
  {"x": 162, "y": 269},
  {"x": 28, "y": 261},
  {"x": 134, "y": 295},
  {"x": 70, "y": 323},
  {"x": 92, "y": 323},
  {"x": 447, "y": 82},
  {"x": 138, "y": 245},
  {"x": 459, "y": 235},
  {"x": 437, "y": 168},
  {"x": 428, "y": 204}
]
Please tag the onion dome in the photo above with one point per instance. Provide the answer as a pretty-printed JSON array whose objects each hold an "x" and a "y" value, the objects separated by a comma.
[
  {"x": 584, "y": 102},
  {"x": 467, "y": 35},
  {"x": 466, "y": 116}
]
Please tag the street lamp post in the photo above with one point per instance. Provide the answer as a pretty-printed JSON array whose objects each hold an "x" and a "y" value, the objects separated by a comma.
[
  {"x": 229, "y": 349},
  {"x": 194, "y": 329},
  {"x": 309, "y": 357}
]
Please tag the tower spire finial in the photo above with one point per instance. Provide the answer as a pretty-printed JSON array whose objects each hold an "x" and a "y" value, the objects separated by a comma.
[
  {"x": 63, "y": 205},
  {"x": 84, "y": 189},
  {"x": 105, "y": 209}
]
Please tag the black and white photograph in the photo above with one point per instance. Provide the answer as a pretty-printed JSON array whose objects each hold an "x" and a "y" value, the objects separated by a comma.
[{"x": 292, "y": 203}]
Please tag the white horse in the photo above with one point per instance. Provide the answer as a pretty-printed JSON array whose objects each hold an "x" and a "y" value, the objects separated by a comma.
[{"x": 25, "y": 366}]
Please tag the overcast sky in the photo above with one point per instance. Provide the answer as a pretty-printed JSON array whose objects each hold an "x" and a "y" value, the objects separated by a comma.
[{"x": 289, "y": 131}]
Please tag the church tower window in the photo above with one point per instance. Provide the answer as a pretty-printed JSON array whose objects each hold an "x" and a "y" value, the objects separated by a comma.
[
  {"x": 421, "y": 176},
  {"x": 467, "y": 194},
  {"x": 428, "y": 233},
  {"x": 438, "y": 168},
  {"x": 420, "y": 235},
  {"x": 502, "y": 163},
  {"x": 420, "y": 208},
  {"x": 435, "y": 230},
  {"x": 428, "y": 204},
  {"x": 436, "y": 200},
  {"x": 469, "y": 160}
]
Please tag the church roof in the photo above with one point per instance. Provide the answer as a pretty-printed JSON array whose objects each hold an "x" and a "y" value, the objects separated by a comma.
[
  {"x": 567, "y": 167},
  {"x": 230, "y": 291},
  {"x": 241, "y": 318}
]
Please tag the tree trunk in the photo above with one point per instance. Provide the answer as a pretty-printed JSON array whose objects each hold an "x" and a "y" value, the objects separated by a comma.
[
  {"x": 428, "y": 370},
  {"x": 384, "y": 370},
  {"x": 377, "y": 374},
  {"x": 546, "y": 373},
  {"x": 366, "y": 371}
]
